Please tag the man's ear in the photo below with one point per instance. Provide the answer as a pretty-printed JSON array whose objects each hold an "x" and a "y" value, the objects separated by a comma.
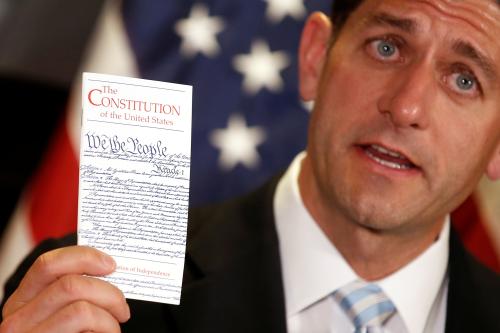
[
  {"x": 493, "y": 169},
  {"x": 313, "y": 50}
]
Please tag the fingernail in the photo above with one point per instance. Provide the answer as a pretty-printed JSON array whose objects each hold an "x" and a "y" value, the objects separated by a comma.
[{"x": 108, "y": 262}]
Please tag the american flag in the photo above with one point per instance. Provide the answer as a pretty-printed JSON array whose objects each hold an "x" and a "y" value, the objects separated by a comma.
[
  {"x": 240, "y": 57},
  {"x": 248, "y": 119}
]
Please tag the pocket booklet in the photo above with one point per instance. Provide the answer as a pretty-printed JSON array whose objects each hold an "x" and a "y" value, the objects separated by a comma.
[{"x": 134, "y": 181}]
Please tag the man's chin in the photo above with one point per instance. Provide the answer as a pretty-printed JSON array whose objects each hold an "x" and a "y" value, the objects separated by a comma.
[{"x": 381, "y": 217}]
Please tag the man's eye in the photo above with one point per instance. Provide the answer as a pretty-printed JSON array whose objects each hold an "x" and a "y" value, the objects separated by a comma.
[
  {"x": 384, "y": 50},
  {"x": 464, "y": 83}
]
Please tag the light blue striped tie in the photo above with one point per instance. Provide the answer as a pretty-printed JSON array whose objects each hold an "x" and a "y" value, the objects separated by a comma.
[{"x": 366, "y": 305}]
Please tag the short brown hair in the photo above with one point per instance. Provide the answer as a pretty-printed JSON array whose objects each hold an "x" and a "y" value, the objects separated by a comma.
[{"x": 341, "y": 9}]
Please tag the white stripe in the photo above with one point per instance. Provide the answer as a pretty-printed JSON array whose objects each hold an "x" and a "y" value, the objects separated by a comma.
[
  {"x": 341, "y": 293},
  {"x": 16, "y": 243},
  {"x": 365, "y": 303},
  {"x": 380, "y": 319}
]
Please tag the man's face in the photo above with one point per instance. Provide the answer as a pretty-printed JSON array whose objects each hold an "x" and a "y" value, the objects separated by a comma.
[{"x": 407, "y": 109}]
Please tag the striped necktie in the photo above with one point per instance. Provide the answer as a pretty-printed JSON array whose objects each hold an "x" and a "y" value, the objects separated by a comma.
[{"x": 366, "y": 305}]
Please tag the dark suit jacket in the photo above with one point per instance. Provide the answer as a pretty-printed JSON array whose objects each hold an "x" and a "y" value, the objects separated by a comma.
[{"x": 232, "y": 277}]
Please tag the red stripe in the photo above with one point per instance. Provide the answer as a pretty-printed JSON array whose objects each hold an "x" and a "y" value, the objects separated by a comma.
[
  {"x": 53, "y": 203},
  {"x": 467, "y": 220}
]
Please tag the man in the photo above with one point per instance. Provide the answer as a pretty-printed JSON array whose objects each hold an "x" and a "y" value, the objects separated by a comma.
[{"x": 406, "y": 120}]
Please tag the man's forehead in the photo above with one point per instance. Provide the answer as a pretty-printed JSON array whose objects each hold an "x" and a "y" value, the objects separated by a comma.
[
  {"x": 488, "y": 2},
  {"x": 485, "y": 7},
  {"x": 483, "y": 16}
]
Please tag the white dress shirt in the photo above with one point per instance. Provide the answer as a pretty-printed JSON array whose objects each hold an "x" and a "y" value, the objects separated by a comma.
[{"x": 313, "y": 268}]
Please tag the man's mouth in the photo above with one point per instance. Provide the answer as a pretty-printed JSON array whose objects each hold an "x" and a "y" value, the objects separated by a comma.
[{"x": 387, "y": 157}]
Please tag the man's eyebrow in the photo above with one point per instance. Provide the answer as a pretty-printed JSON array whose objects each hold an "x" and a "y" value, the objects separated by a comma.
[
  {"x": 466, "y": 50},
  {"x": 405, "y": 24}
]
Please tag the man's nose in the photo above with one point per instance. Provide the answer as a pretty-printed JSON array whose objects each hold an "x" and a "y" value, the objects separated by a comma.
[{"x": 408, "y": 96}]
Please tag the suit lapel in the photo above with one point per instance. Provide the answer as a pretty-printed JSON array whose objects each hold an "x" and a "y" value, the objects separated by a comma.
[
  {"x": 233, "y": 276},
  {"x": 473, "y": 291}
]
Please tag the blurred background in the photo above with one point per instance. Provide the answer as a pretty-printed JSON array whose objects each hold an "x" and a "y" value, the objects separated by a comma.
[{"x": 248, "y": 120}]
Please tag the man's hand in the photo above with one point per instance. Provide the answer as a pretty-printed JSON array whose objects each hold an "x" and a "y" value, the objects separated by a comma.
[{"x": 54, "y": 295}]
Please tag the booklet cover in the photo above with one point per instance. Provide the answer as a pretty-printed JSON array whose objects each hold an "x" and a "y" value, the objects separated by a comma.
[{"x": 134, "y": 181}]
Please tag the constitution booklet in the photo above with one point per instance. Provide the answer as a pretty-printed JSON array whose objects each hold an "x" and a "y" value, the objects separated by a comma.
[{"x": 134, "y": 181}]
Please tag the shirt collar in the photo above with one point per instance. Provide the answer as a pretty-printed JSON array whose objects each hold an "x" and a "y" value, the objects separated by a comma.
[
  {"x": 414, "y": 287},
  {"x": 313, "y": 268}
]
